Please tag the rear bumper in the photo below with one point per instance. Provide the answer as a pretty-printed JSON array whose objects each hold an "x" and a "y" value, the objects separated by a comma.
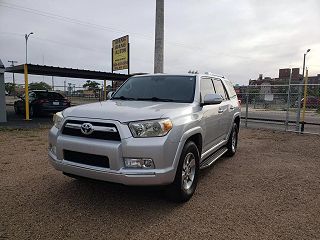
[{"x": 52, "y": 109}]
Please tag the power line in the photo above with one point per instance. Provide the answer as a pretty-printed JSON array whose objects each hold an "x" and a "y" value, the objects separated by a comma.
[
  {"x": 101, "y": 27},
  {"x": 70, "y": 20},
  {"x": 97, "y": 50}
]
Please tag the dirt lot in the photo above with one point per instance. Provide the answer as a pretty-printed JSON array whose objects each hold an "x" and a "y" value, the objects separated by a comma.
[{"x": 269, "y": 190}]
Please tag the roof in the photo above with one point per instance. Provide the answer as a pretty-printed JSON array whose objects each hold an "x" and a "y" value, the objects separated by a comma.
[
  {"x": 184, "y": 74},
  {"x": 44, "y": 70}
]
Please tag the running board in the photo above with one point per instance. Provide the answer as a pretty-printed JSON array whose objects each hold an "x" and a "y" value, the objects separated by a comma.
[{"x": 212, "y": 158}]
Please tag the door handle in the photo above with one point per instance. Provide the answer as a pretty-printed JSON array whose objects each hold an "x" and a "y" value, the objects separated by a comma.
[
  {"x": 231, "y": 107},
  {"x": 220, "y": 110}
]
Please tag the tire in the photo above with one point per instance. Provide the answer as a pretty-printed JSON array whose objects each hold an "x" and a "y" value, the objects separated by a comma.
[
  {"x": 33, "y": 112},
  {"x": 186, "y": 179},
  {"x": 16, "y": 109},
  {"x": 233, "y": 141}
]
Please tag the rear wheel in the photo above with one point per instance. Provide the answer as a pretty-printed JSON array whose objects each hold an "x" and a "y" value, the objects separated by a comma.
[
  {"x": 33, "y": 111},
  {"x": 17, "y": 109},
  {"x": 186, "y": 179},
  {"x": 233, "y": 140}
]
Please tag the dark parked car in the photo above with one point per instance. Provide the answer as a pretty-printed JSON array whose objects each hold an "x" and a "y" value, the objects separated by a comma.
[
  {"x": 312, "y": 102},
  {"x": 42, "y": 101}
]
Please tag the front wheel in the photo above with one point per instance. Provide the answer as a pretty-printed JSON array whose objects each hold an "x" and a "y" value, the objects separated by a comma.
[
  {"x": 233, "y": 140},
  {"x": 186, "y": 179}
]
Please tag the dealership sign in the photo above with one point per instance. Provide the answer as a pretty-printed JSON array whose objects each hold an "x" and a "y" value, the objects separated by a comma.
[{"x": 120, "y": 53}]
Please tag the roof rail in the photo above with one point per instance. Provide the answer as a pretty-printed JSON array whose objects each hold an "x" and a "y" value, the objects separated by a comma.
[{"x": 213, "y": 74}]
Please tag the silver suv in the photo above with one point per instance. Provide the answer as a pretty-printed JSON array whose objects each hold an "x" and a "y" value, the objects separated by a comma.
[{"x": 156, "y": 129}]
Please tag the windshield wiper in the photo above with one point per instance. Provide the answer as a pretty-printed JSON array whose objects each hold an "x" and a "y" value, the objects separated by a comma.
[
  {"x": 123, "y": 98},
  {"x": 156, "y": 99}
]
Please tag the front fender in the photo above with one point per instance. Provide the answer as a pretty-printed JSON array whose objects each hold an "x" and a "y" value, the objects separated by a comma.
[{"x": 182, "y": 142}]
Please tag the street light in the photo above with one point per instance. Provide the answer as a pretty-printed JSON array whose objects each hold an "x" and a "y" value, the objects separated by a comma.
[
  {"x": 300, "y": 90},
  {"x": 26, "y": 84},
  {"x": 27, "y": 37}
]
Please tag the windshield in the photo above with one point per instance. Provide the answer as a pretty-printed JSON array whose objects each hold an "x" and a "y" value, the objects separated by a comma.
[{"x": 158, "y": 88}]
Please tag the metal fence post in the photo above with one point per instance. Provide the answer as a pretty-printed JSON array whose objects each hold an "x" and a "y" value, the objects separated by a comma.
[
  {"x": 288, "y": 103},
  {"x": 247, "y": 108}
]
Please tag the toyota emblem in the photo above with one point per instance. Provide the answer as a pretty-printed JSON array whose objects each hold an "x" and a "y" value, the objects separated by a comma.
[{"x": 87, "y": 128}]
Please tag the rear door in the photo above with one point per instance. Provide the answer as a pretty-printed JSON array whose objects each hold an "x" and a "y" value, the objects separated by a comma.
[
  {"x": 225, "y": 109},
  {"x": 210, "y": 115},
  {"x": 22, "y": 104}
]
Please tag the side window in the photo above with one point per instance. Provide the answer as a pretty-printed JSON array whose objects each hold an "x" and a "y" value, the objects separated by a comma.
[
  {"x": 32, "y": 96},
  {"x": 231, "y": 91},
  {"x": 206, "y": 87},
  {"x": 220, "y": 89}
]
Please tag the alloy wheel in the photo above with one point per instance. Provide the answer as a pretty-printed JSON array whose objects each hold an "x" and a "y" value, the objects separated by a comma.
[{"x": 188, "y": 170}]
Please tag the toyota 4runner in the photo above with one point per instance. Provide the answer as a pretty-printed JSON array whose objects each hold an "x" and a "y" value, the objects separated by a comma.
[{"x": 157, "y": 129}]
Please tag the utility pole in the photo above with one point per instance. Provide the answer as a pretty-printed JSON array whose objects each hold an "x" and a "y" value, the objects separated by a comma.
[
  {"x": 43, "y": 65},
  {"x": 159, "y": 37},
  {"x": 52, "y": 83},
  {"x": 64, "y": 85},
  {"x": 13, "y": 80},
  {"x": 300, "y": 92}
]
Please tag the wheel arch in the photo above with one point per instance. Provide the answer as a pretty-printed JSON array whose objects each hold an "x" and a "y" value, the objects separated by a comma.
[{"x": 197, "y": 139}]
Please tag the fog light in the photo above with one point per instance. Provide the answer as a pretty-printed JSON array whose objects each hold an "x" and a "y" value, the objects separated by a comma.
[
  {"x": 53, "y": 149},
  {"x": 138, "y": 163}
]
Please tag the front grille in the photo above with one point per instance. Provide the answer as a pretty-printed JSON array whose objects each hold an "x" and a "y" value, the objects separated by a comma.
[
  {"x": 86, "y": 158},
  {"x": 102, "y": 131}
]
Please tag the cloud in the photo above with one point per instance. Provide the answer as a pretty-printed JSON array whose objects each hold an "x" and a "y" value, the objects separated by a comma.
[{"x": 238, "y": 39}]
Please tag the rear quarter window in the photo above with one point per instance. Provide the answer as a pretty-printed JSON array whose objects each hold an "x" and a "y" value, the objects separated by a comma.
[{"x": 229, "y": 86}]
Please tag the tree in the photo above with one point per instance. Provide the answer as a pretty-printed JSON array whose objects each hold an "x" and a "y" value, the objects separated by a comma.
[
  {"x": 91, "y": 85},
  {"x": 39, "y": 86},
  {"x": 9, "y": 87}
]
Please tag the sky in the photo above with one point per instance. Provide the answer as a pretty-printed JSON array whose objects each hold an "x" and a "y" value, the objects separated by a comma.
[{"x": 238, "y": 39}]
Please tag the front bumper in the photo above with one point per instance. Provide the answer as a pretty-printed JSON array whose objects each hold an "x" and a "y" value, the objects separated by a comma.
[{"x": 163, "y": 152}]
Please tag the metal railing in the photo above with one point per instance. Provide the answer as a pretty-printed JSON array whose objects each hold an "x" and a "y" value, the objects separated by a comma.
[{"x": 278, "y": 107}]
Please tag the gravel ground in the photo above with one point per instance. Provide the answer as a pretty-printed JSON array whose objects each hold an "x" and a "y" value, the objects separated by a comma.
[{"x": 269, "y": 190}]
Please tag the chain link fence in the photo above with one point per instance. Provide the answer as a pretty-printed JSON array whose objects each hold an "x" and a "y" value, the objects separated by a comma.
[
  {"x": 281, "y": 107},
  {"x": 76, "y": 95},
  {"x": 265, "y": 106}
]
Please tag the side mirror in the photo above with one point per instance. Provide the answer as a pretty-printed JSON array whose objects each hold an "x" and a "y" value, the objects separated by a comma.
[
  {"x": 211, "y": 99},
  {"x": 110, "y": 94}
]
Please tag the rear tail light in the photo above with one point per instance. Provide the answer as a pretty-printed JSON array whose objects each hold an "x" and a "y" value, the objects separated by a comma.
[
  {"x": 66, "y": 102},
  {"x": 239, "y": 103}
]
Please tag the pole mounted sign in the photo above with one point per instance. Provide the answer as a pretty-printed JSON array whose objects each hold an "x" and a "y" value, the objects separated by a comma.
[{"x": 120, "y": 53}]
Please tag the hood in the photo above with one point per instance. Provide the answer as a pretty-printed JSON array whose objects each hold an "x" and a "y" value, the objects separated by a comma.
[{"x": 125, "y": 111}]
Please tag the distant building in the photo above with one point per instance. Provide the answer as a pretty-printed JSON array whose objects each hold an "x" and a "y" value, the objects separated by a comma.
[{"x": 283, "y": 78}]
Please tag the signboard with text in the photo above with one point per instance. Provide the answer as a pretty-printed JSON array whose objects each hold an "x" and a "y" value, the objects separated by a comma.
[{"x": 120, "y": 53}]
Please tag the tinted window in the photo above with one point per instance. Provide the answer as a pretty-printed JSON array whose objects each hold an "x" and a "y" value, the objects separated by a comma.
[
  {"x": 158, "y": 88},
  {"x": 220, "y": 89},
  {"x": 49, "y": 95},
  {"x": 206, "y": 87}
]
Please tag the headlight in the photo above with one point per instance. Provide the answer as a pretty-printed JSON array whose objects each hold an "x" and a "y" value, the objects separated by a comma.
[
  {"x": 57, "y": 119},
  {"x": 151, "y": 128}
]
